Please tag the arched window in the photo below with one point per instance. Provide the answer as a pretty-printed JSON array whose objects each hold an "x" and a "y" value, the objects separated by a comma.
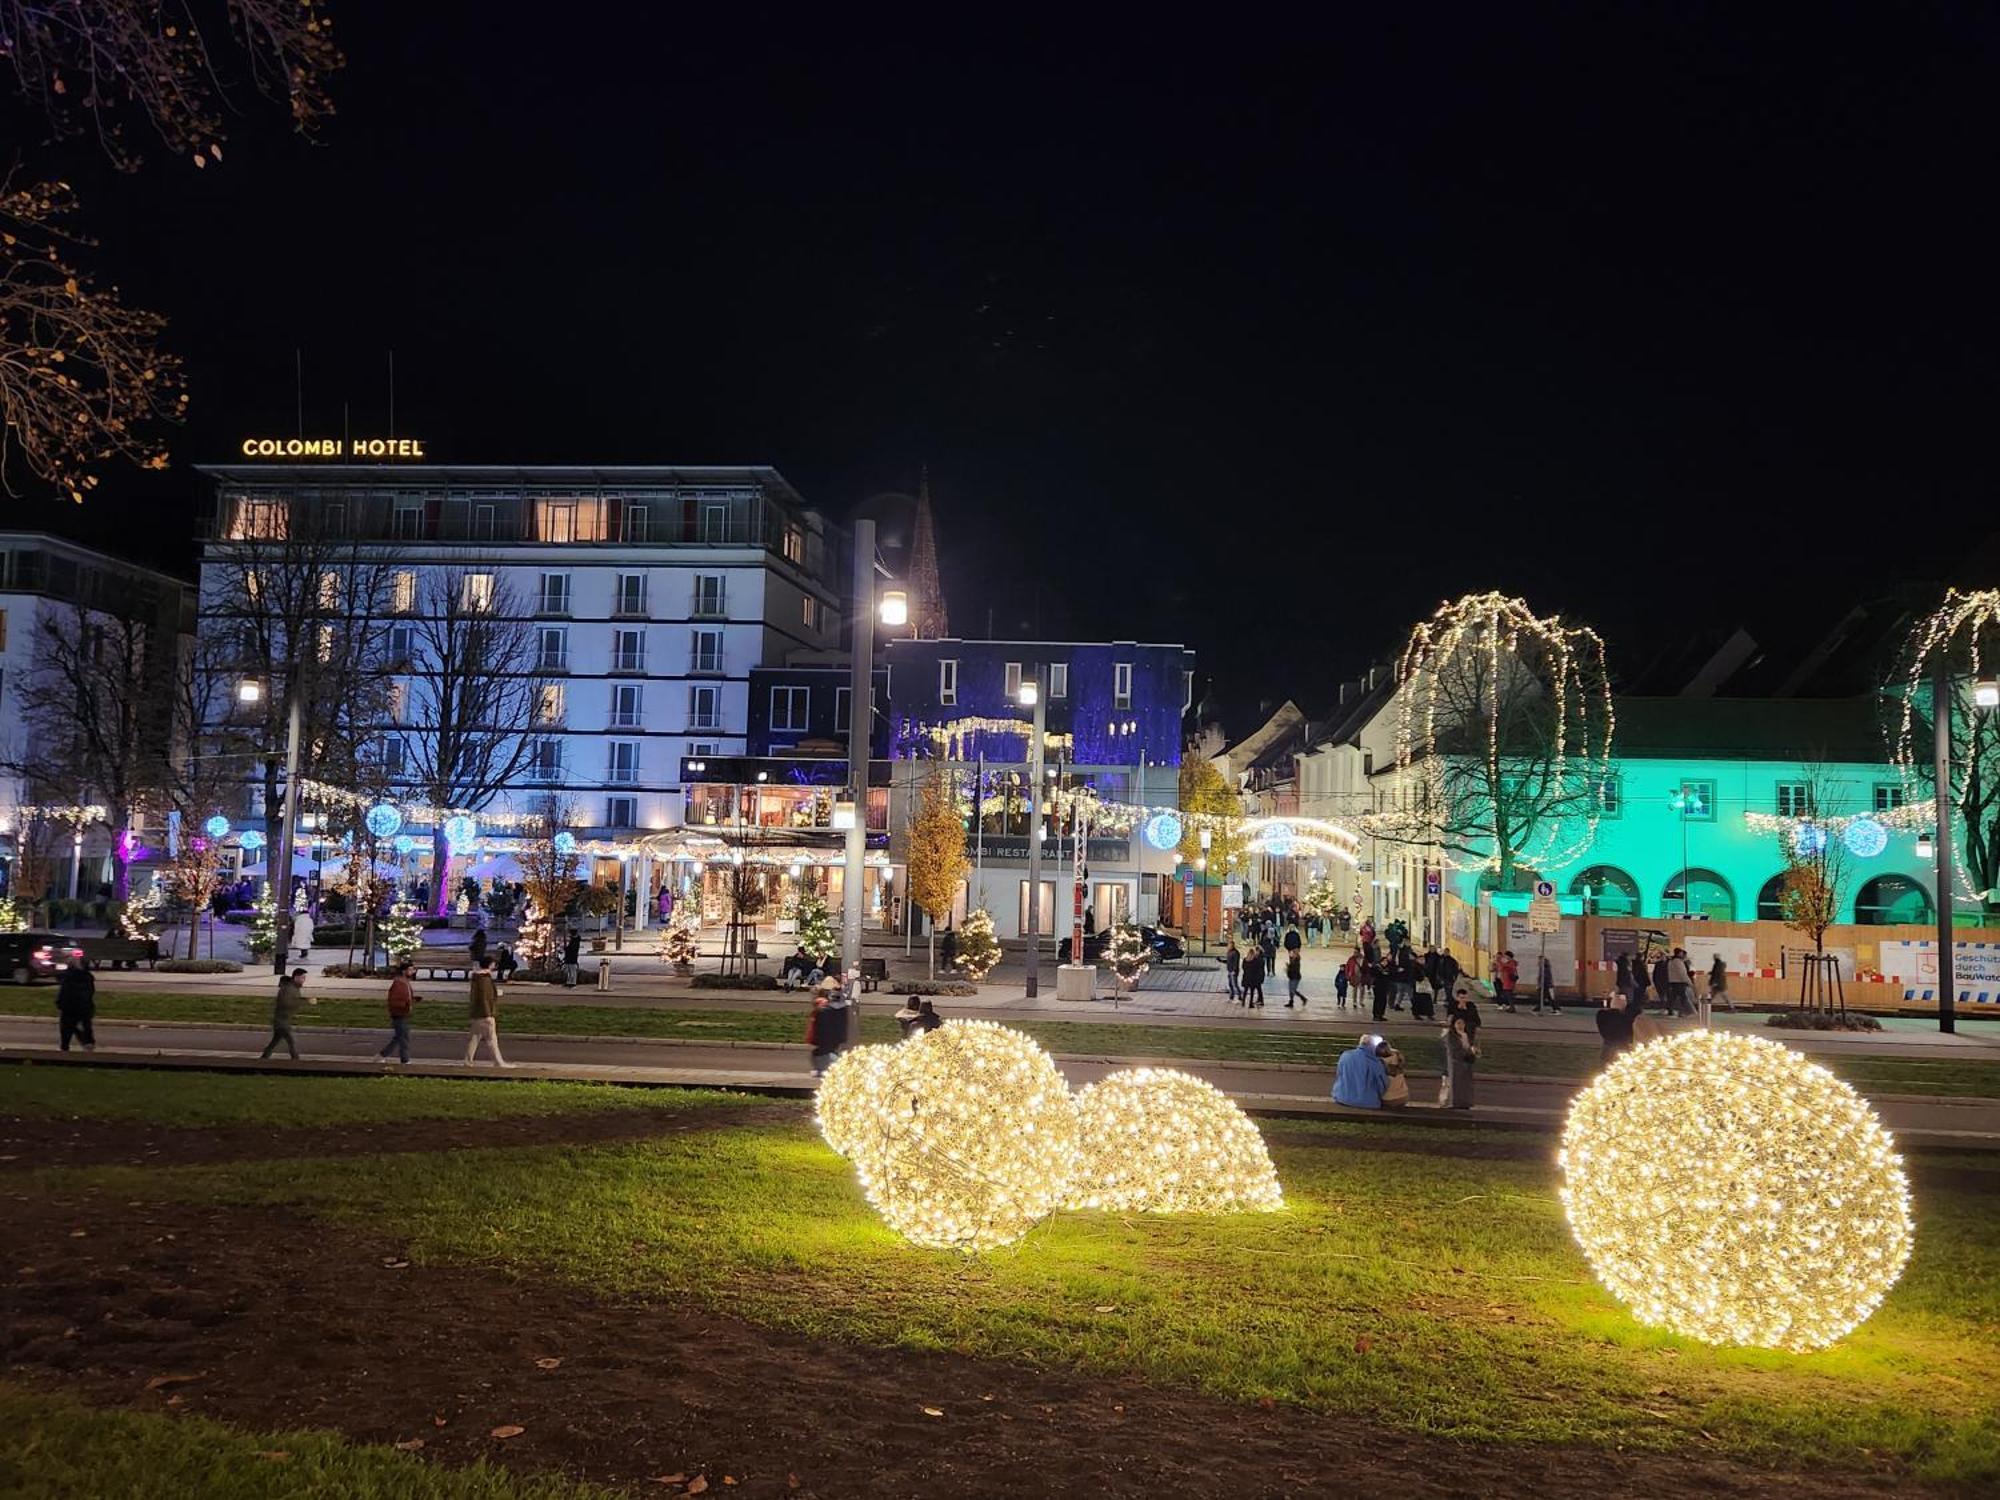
[
  {"x": 1889, "y": 899},
  {"x": 1607, "y": 891},
  {"x": 1769, "y": 908},
  {"x": 1699, "y": 893}
]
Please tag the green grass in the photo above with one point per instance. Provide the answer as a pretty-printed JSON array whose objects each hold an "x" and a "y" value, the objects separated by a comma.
[
  {"x": 55, "y": 1448},
  {"x": 1541, "y": 1059},
  {"x": 1433, "y": 1292},
  {"x": 188, "y": 1099}
]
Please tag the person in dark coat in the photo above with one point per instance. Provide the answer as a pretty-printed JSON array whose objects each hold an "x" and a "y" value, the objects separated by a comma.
[
  {"x": 76, "y": 1004},
  {"x": 1614, "y": 1027},
  {"x": 1232, "y": 967},
  {"x": 1461, "y": 1051},
  {"x": 478, "y": 945},
  {"x": 1385, "y": 988},
  {"x": 1660, "y": 981},
  {"x": 572, "y": 950},
  {"x": 1253, "y": 976}
]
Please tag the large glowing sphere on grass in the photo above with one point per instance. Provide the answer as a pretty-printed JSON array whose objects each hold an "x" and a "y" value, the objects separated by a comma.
[
  {"x": 971, "y": 1140},
  {"x": 1728, "y": 1189},
  {"x": 846, "y": 1098},
  {"x": 1159, "y": 1141}
]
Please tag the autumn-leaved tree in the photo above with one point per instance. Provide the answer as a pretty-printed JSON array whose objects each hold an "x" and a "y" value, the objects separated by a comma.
[
  {"x": 1815, "y": 877},
  {"x": 548, "y": 864},
  {"x": 935, "y": 851},
  {"x": 1208, "y": 800}
]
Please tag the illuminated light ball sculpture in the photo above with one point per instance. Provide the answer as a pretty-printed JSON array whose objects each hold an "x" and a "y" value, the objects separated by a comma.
[
  {"x": 1808, "y": 839},
  {"x": 251, "y": 840},
  {"x": 405, "y": 844},
  {"x": 1865, "y": 838},
  {"x": 217, "y": 827},
  {"x": 1725, "y": 1188},
  {"x": 460, "y": 831},
  {"x": 1163, "y": 831},
  {"x": 564, "y": 842},
  {"x": 847, "y": 1095},
  {"x": 971, "y": 1139},
  {"x": 384, "y": 819},
  {"x": 1153, "y": 1140}
]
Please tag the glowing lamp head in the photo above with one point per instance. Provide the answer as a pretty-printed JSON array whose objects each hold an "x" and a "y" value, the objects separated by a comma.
[
  {"x": 1926, "y": 845},
  {"x": 1986, "y": 692},
  {"x": 844, "y": 814},
  {"x": 1029, "y": 693},
  {"x": 895, "y": 607},
  {"x": 249, "y": 690}
]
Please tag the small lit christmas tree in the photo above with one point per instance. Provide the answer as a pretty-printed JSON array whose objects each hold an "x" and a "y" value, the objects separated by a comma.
[
  {"x": 264, "y": 925},
  {"x": 978, "y": 949},
  {"x": 139, "y": 919},
  {"x": 401, "y": 932},
  {"x": 1126, "y": 953},
  {"x": 816, "y": 933},
  {"x": 11, "y": 919},
  {"x": 677, "y": 938}
]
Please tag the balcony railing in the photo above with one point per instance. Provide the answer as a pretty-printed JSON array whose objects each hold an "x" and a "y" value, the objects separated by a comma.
[{"x": 628, "y": 661}]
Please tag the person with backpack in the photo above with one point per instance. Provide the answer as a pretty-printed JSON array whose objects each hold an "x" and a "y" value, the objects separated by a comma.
[{"x": 401, "y": 997}]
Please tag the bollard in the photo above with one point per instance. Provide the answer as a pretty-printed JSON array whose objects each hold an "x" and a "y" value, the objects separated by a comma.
[{"x": 604, "y": 973}]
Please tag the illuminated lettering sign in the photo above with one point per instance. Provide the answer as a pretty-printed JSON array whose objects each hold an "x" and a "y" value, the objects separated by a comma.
[{"x": 333, "y": 448}]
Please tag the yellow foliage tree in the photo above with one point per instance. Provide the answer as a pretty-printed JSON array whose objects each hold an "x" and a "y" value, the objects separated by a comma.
[
  {"x": 1206, "y": 795},
  {"x": 935, "y": 851}
]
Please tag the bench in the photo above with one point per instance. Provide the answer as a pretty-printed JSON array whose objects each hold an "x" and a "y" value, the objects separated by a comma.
[
  {"x": 450, "y": 963},
  {"x": 120, "y": 953},
  {"x": 874, "y": 971}
]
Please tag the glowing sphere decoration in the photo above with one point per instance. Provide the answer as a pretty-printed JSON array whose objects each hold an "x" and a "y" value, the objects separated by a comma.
[
  {"x": 847, "y": 1094},
  {"x": 1728, "y": 1189},
  {"x": 970, "y": 1140},
  {"x": 383, "y": 819},
  {"x": 1865, "y": 838},
  {"x": 565, "y": 842},
  {"x": 1154, "y": 1140},
  {"x": 1809, "y": 839},
  {"x": 217, "y": 827},
  {"x": 404, "y": 844},
  {"x": 460, "y": 831},
  {"x": 1163, "y": 830},
  {"x": 251, "y": 840}
]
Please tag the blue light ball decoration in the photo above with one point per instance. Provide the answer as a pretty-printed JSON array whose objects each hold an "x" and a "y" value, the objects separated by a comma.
[
  {"x": 565, "y": 842},
  {"x": 384, "y": 818},
  {"x": 1865, "y": 838},
  {"x": 1278, "y": 838},
  {"x": 405, "y": 844},
  {"x": 251, "y": 840},
  {"x": 459, "y": 832},
  {"x": 1163, "y": 831},
  {"x": 217, "y": 827},
  {"x": 1808, "y": 839}
]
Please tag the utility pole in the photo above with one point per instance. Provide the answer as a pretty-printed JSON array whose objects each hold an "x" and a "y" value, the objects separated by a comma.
[
  {"x": 860, "y": 719},
  {"x": 1035, "y": 793}
]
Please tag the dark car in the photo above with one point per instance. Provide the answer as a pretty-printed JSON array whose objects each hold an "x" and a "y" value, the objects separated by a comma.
[
  {"x": 28, "y": 956},
  {"x": 1164, "y": 946}
]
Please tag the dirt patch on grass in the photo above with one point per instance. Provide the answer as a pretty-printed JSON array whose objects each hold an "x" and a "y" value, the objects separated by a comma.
[
  {"x": 270, "y": 1320},
  {"x": 27, "y": 1144}
]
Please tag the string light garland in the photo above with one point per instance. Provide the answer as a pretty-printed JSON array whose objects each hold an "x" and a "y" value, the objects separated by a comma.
[
  {"x": 1726, "y": 1188},
  {"x": 1463, "y": 675},
  {"x": 1155, "y": 1140},
  {"x": 1963, "y": 625}
]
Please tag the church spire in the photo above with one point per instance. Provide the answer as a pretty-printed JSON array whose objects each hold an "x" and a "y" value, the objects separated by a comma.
[{"x": 928, "y": 621}]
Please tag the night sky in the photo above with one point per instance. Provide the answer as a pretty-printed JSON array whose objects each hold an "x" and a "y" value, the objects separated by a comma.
[{"x": 1245, "y": 337}]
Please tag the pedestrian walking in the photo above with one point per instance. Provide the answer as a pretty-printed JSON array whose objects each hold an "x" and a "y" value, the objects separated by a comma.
[
  {"x": 484, "y": 1025},
  {"x": 291, "y": 995},
  {"x": 1545, "y": 986},
  {"x": 1384, "y": 985},
  {"x": 1232, "y": 966},
  {"x": 1267, "y": 941},
  {"x": 302, "y": 933},
  {"x": 1505, "y": 974},
  {"x": 76, "y": 1005},
  {"x": 478, "y": 944},
  {"x": 1614, "y": 1027},
  {"x": 1461, "y": 1051},
  {"x": 1718, "y": 984},
  {"x": 401, "y": 997},
  {"x": 572, "y": 950},
  {"x": 1253, "y": 977},
  {"x": 1292, "y": 971},
  {"x": 1342, "y": 978},
  {"x": 1680, "y": 983}
]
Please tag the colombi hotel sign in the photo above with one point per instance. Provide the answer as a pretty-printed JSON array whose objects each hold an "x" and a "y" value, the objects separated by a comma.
[{"x": 333, "y": 448}]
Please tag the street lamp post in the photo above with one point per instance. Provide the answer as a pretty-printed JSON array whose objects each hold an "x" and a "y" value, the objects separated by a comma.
[
  {"x": 1942, "y": 874},
  {"x": 250, "y": 691},
  {"x": 1207, "y": 834},
  {"x": 895, "y": 609},
  {"x": 1031, "y": 696}
]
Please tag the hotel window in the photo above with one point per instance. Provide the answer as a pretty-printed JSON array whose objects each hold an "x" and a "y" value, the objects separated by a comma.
[
  {"x": 842, "y": 697},
  {"x": 550, "y": 703},
  {"x": 948, "y": 683},
  {"x": 707, "y": 653},
  {"x": 704, "y": 708},
  {"x": 1013, "y": 682},
  {"x": 701, "y": 747},
  {"x": 1610, "y": 797},
  {"x": 1121, "y": 685},
  {"x": 329, "y": 591},
  {"x": 1058, "y": 679},
  {"x": 326, "y": 643},
  {"x": 630, "y": 598},
  {"x": 399, "y": 702},
  {"x": 628, "y": 650},
  {"x": 260, "y": 520},
  {"x": 622, "y": 768},
  {"x": 1694, "y": 801},
  {"x": 395, "y": 755},
  {"x": 709, "y": 595},
  {"x": 3, "y": 630},
  {"x": 554, "y": 653},
  {"x": 790, "y": 709},
  {"x": 1793, "y": 799},
  {"x": 621, "y": 812},
  {"x": 406, "y": 521},
  {"x": 715, "y": 521},
  {"x": 809, "y": 612},
  {"x": 336, "y": 518},
  {"x": 625, "y": 706},
  {"x": 403, "y": 593},
  {"x": 636, "y": 519},
  {"x": 549, "y": 760},
  {"x": 475, "y": 593},
  {"x": 253, "y": 585},
  {"x": 795, "y": 545},
  {"x": 402, "y": 644},
  {"x": 1888, "y": 796},
  {"x": 556, "y": 520},
  {"x": 554, "y": 598},
  {"x": 483, "y": 517}
]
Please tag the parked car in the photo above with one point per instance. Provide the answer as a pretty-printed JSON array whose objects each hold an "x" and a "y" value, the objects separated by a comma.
[
  {"x": 28, "y": 956},
  {"x": 1165, "y": 947}
]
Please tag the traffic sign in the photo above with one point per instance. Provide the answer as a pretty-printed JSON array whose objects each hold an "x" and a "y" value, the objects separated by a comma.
[
  {"x": 1433, "y": 882},
  {"x": 1544, "y": 915},
  {"x": 1544, "y": 888}
]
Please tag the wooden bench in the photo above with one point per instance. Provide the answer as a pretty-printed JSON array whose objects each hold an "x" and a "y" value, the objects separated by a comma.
[
  {"x": 451, "y": 963},
  {"x": 120, "y": 953},
  {"x": 874, "y": 971}
]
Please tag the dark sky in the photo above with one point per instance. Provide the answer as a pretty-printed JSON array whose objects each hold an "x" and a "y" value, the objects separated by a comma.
[{"x": 1260, "y": 339}]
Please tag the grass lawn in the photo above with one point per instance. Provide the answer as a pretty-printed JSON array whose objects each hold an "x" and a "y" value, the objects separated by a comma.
[
  {"x": 291, "y": 1103},
  {"x": 55, "y": 1448},
  {"x": 1542, "y": 1059},
  {"x": 1415, "y": 1287}
]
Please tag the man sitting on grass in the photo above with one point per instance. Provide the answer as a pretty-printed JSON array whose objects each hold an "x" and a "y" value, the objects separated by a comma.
[{"x": 1360, "y": 1080}]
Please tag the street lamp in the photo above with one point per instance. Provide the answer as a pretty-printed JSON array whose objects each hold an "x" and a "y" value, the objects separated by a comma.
[
  {"x": 249, "y": 691},
  {"x": 1986, "y": 692},
  {"x": 848, "y": 815},
  {"x": 895, "y": 607},
  {"x": 1207, "y": 836}
]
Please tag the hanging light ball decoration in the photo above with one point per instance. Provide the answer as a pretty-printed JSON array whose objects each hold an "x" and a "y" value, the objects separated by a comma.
[
  {"x": 217, "y": 827},
  {"x": 1155, "y": 1140},
  {"x": 460, "y": 831},
  {"x": 1809, "y": 839},
  {"x": 405, "y": 844},
  {"x": 1163, "y": 830},
  {"x": 847, "y": 1095},
  {"x": 251, "y": 840},
  {"x": 1503, "y": 735},
  {"x": 1728, "y": 1189},
  {"x": 564, "y": 842},
  {"x": 384, "y": 819},
  {"x": 1865, "y": 837},
  {"x": 971, "y": 1139}
]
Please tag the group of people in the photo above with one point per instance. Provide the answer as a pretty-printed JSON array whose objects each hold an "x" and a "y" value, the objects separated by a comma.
[
  {"x": 1671, "y": 981},
  {"x": 1246, "y": 968},
  {"x": 1372, "y": 1075},
  {"x": 483, "y": 1005}
]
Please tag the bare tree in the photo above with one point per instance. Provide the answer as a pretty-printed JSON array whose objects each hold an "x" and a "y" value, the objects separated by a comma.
[
  {"x": 474, "y": 692},
  {"x": 548, "y": 870},
  {"x": 194, "y": 772}
]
